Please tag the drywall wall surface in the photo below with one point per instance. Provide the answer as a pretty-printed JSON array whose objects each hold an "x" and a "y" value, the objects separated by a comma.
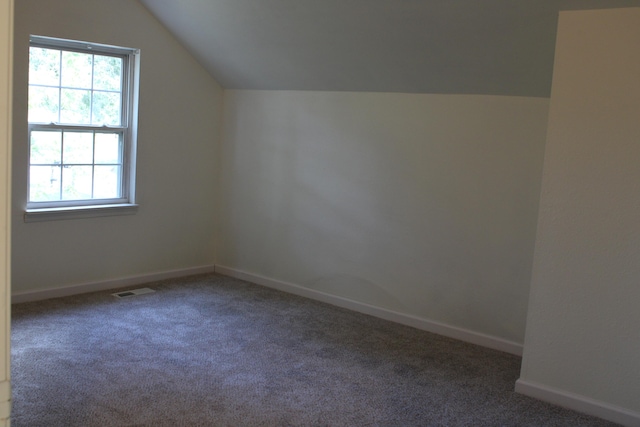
[
  {"x": 421, "y": 204},
  {"x": 179, "y": 124},
  {"x": 582, "y": 330}
]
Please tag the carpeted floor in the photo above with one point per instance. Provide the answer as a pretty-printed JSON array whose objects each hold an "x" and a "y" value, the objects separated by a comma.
[{"x": 214, "y": 351}]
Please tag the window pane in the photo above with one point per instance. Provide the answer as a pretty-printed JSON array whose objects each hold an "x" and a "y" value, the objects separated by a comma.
[
  {"x": 43, "y": 104},
  {"x": 106, "y": 182},
  {"x": 106, "y": 108},
  {"x": 107, "y": 72},
  {"x": 46, "y": 147},
  {"x": 44, "y": 66},
  {"x": 76, "y": 106},
  {"x": 77, "y": 69},
  {"x": 78, "y": 147},
  {"x": 108, "y": 148},
  {"x": 76, "y": 182},
  {"x": 44, "y": 183}
]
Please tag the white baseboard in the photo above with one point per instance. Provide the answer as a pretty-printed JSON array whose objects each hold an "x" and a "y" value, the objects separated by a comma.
[
  {"x": 405, "y": 319},
  {"x": 579, "y": 403},
  {"x": 107, "y": 284}
]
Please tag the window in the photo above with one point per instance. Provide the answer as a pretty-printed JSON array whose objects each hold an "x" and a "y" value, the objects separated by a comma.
[{"x": 82, "y": 113}]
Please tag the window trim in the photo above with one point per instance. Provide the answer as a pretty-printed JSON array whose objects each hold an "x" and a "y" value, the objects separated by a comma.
[
  {"x": 78, "y": 212},
  {"x": 124, "y": 205}
]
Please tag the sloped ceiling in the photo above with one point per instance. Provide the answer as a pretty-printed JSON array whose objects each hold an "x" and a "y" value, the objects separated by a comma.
[{"x": 501, "y": 47}]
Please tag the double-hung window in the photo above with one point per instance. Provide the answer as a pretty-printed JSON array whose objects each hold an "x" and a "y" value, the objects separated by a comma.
[{"x": 82, "y": 120}]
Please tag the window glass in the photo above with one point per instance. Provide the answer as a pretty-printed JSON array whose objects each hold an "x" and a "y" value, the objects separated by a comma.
[
  {"x": 44, "y": 104},
  {"x": 107, "y": 73},
  {"x": 108, "y": 149},
  {"x": 106, "y": 108},
  {"x": 78, "y": 148},
  {"x": 46, "y": 147},
  {"x": 76, "y": 70},
  {"x": 44, "y": 183},
  {"x": 44, "y": 66}
]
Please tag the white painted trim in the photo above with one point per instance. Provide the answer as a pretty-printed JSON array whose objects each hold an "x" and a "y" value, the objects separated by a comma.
[
  {"x": 5, "y": 400},
  {"x": 578, "y": 403},
  {"x": 107, "y": 284},
  {"x": 6, "y": 87},
  {"x": 383, "y": 313},
  {"x": 77, "y": 212}
]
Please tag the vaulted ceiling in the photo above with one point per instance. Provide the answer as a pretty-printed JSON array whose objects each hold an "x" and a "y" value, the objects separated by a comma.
[{"x": 502, "y": 47}]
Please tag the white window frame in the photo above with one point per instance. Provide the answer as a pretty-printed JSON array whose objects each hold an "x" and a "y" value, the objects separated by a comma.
[{"x": 67, "y": 209}]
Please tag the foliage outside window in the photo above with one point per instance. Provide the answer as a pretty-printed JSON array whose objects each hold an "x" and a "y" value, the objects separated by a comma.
[{"x": 81, "y": 124}]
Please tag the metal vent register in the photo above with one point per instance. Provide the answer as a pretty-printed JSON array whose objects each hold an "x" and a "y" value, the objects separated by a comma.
[{"x": 133, "y": 293}]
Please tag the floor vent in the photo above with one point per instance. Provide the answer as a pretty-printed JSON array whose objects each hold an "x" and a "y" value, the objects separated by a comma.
[{"x": 133, "y": 293}]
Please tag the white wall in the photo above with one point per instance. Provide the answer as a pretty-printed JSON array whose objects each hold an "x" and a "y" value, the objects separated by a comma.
[
  {"x": 421, "y": 204},
  {"x": 179, "y": 118},
  {"x": 582, "y": 344}
]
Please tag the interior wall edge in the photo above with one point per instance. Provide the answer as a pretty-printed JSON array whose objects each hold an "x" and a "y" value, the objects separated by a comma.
[
  {"x": 439, "y": 328},
  {"x": 6, "y": 132}
]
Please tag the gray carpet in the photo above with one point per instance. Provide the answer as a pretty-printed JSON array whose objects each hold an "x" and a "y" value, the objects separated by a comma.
[{"x": 213, "y": 351}]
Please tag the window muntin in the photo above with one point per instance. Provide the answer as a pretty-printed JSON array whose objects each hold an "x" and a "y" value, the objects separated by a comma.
[{"x": 81, "y": 119}]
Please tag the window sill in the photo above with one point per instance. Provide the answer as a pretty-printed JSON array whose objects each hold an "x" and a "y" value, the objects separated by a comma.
[{"x": 55, "y": 214}]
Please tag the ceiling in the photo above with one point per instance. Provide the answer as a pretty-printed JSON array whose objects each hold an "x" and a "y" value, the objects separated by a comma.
[{"x": 500, "y": 47}]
